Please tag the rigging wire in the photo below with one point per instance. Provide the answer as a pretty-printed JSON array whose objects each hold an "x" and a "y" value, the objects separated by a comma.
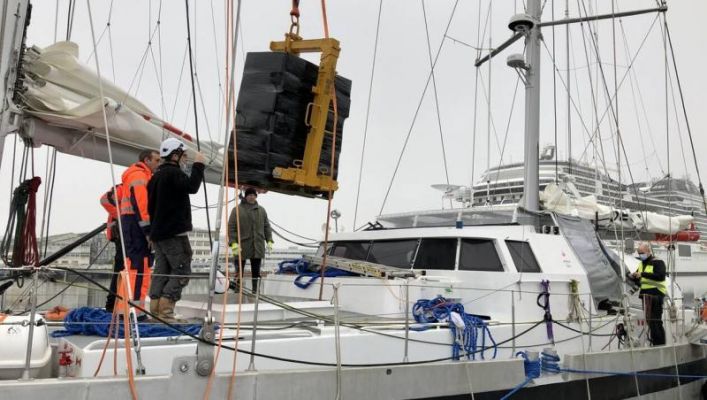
[
  {"x": 417, "y": 110},
  {"x": 179, "y": 83},
  {"x": 292, "y": 233},
  {"x": 314, "y": 245},
  {"x": 477, "y": 71},
  {"x": 613, "y": 114},
  {"x": 110, "y": 40},
  {"x": 436, "y": 97},
  {"x": 158, "y": 73},
  {"x": 635, "y": 107},
  {"x": 70, "y": 19},
  {"x": 489, "y": 119},
  {"x": 56, "y": 20},
  {"x": 196, "y": 115},
  {"x": 368, "y": 111},
  {"x": 330, "y": 197},
  {"x": 505, "y": 137},
  {"x": 684, "y": 110},
  {"x": 623, "y": 79},
  {"x": 554, "y": 95},
  {"x": 605, "y": 113},
  {"x": 69, "y": 284}
]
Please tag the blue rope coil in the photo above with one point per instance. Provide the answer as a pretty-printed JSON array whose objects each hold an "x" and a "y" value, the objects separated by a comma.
[
  {"x": 465, "y": 338},
  {"x": 532, "y": 371},
  {"x": 550, "y": 363},
  {"x": 306, "y": 273},
  {"x": 91, "y": 321}
]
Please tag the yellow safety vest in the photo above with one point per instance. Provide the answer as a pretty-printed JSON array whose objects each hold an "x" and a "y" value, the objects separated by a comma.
[{"x": 650, "y": 283}]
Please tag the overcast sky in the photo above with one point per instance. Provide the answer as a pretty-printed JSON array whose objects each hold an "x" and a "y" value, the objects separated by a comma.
[{"x": 402, "y": 67}]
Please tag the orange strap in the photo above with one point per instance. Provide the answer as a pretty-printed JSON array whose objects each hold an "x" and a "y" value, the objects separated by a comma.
[
  {"x": 295, "y": 9},
  {"x": 325, "y": 21}
]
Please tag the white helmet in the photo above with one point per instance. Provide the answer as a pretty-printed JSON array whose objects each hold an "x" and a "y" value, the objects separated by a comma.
[{"x": 171, "y": 145}]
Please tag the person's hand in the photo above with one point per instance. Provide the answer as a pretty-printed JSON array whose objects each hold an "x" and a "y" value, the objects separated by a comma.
[
  {"x": 235, "y": 249},
  {"x": 270, "y": 247},
  {"x": 199, "y": 157}
]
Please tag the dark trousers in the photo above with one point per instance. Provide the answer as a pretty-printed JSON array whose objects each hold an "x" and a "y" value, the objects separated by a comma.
[
  {"x": 653, "y": 309},
  {"x": 172, "y": 268},
  {"x": 117, "y": 267},
  {"x": 254, "y": 269}
]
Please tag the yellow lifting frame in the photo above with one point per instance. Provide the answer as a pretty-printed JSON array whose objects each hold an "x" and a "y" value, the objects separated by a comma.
[{"x": 306, "y": 171}]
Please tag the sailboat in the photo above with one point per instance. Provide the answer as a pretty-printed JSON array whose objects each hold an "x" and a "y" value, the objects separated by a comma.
[{"x": 483, "y": 303}]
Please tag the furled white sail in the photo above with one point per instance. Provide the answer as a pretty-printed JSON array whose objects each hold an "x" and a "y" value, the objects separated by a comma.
[
  {"x": 63, "y": 92},
  {"x": 554, "y": 198}
]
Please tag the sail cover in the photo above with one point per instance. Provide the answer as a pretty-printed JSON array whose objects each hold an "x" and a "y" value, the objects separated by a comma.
[{"x": 603, "y": 273}]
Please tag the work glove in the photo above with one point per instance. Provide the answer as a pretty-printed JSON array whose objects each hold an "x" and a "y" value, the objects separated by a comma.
[
  {"x": 235, "y": 249},
  {"x": 270, "y": 247}
]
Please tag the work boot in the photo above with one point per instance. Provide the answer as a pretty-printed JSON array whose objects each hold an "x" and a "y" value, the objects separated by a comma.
[
  {"x": 154, "y": 308},
  {"x": 166, "y": 307}
]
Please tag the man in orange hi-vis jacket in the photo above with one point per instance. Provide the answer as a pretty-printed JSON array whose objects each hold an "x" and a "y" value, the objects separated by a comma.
[
  {"x": 135, "y": 222},
  {"x": 109, "y": 203}
]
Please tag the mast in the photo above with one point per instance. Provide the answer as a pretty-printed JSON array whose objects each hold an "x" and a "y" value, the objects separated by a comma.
[
  {"x": 528, "y": 68},
  {"x": 14, "y": 19},
  {"x": 531, "y": 183}
]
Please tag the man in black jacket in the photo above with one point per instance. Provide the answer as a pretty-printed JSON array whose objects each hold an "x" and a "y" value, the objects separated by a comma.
[
  {"x": 651, "y": 275},
  {"x": 170, "y": 214}
]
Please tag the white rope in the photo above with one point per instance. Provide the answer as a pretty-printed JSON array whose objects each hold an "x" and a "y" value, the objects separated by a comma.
[{"x": 110, "y": 159}]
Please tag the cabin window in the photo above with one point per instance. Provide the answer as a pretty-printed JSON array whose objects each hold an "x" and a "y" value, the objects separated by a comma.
[
  {"x": 479, "y": 255},
  {"x": 395, "y": 253},
  {"x": 523, "y": 256},
  {"x": 355, "y": 250},
  {"x": 684, "y": 250},
  {"x": 436, "y": 254}
]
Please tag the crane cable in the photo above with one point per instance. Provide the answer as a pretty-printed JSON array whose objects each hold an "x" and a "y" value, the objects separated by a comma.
[{"x": 330, "y": 196}]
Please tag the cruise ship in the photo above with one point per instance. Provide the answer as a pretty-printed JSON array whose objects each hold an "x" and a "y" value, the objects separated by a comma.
[{"x": 672, "y": 196}]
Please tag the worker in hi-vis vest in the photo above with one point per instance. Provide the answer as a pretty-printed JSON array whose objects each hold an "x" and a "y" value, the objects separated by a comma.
[
  {"x": 135, "y": 224},
  {"x": 651, "y": 275}
]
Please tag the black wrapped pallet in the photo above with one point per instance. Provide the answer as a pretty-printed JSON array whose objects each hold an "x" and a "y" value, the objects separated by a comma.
[{"x": 273, "y": 102}]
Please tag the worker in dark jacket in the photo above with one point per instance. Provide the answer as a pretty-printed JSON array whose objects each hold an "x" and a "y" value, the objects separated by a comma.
[
  {"x": 651, "y": 275},
  {"x": 255, "y": 233},
  {"x": 170, "y": 213}
]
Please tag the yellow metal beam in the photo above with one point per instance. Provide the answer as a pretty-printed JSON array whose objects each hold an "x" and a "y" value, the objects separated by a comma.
[{"x": 307, "y": 172}]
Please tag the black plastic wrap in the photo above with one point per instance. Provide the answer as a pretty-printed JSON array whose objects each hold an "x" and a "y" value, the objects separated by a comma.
[{"x": 270, "y": 120}]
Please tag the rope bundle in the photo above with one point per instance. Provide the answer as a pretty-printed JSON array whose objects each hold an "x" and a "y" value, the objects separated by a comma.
[
  {"x": 465, "y": 328},
  {"x": 91, "y": 321}
]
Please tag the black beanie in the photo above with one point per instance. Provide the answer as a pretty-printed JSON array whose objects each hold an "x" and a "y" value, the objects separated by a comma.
[{"x": 250, "y": 191}]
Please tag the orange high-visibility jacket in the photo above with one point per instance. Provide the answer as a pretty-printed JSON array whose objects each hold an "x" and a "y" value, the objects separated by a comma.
[
  {"x": 111, "y": 206},
  {"x": 134, "y": 197}
]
